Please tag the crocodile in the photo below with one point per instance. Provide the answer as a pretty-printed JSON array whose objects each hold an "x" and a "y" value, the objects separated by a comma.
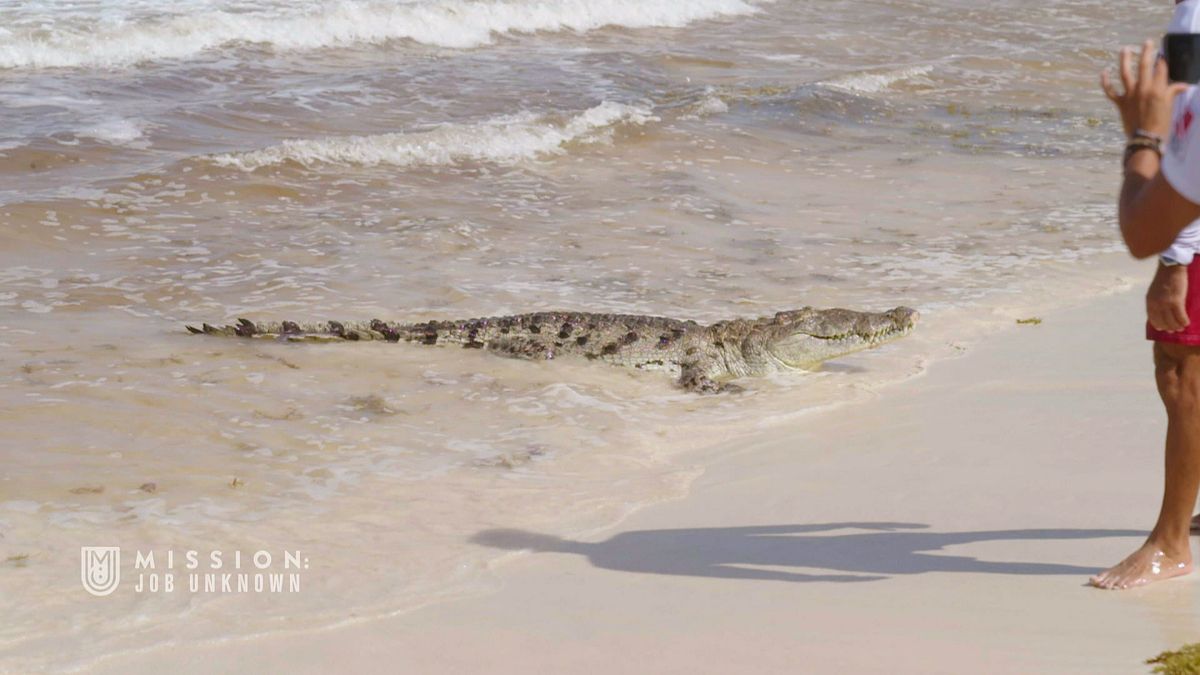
[{"x": 704, "y": 358}]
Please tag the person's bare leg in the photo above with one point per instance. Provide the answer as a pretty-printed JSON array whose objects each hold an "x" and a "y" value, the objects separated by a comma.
[{"x": 1167, "y": 551}]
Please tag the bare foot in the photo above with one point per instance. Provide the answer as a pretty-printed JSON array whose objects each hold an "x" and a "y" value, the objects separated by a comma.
[{"x": 1146, "y": 565}]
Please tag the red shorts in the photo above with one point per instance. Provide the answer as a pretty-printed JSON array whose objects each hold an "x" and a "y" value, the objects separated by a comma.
[{"x": 1191, "y": 334}]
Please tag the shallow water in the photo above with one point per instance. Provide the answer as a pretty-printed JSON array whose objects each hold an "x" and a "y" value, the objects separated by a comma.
[{"x": 164, "y": 163}]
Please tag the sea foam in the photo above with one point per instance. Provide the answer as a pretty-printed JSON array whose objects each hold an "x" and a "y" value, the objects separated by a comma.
[
  {"x": 870, "y": 83},
  {"x": 114, "y": 131},
  {"x": 121, "y": 40},
  {"x": 503, "y": 140}
]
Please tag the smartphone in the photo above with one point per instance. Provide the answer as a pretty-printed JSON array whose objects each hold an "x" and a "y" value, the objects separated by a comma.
[{"x": 1182, "y": 51}]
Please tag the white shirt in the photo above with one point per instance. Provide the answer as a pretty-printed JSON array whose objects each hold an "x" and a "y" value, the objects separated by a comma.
[
  {"x": 1181, "y": 159},
  {"x": 1181, "y": 168}
]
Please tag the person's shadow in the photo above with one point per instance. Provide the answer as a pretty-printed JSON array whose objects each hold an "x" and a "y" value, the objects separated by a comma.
[{"x": 885, "y": 549}]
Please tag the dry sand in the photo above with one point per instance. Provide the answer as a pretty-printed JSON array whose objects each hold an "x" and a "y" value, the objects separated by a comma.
[{"x": 947, "y": 526}]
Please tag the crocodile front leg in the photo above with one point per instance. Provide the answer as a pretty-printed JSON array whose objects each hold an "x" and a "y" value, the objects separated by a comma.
[{"x": 695, "y": 378}]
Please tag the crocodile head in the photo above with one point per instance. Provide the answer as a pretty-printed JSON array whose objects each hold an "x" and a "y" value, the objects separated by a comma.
[{"x": 803, "y": 338}]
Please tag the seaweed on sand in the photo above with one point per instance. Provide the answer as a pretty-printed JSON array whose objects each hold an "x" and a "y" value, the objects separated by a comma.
[{"x": 1183, "y": 661}]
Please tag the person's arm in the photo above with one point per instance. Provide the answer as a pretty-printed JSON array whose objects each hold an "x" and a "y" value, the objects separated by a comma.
[
  {"x": 1166, "y": 299},
  {"x": 1151, "y": 211}
]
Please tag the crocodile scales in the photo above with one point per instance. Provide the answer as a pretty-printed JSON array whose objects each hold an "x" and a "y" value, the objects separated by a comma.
[{"x": 703, "y": 357}]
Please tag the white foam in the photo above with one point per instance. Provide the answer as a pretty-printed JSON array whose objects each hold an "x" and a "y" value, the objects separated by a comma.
[
  {"x": 785, "y": 58},
  {"x": 117, "y": 131},
  {"x": 870, "y": 83},
  {"x": 106, "y": 41},
  {"x": 711, "y": 104},
  {"x": 503, "y": 140}
]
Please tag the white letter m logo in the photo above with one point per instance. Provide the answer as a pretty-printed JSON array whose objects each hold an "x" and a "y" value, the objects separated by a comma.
[{"x": 100, "y": 568}]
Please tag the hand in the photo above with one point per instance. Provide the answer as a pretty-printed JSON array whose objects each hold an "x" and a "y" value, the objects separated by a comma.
[
  {"x": 1146, "y": 103},
  {"x": 1165, "y": 300}
]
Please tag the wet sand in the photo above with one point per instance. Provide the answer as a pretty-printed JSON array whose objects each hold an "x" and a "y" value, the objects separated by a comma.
[{"x": 947, "y": 526}]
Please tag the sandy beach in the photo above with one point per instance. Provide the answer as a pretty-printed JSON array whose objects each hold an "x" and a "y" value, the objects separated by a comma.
[
  {"x": 947, "y": 526},
  {"x": 924, "y": 506}
]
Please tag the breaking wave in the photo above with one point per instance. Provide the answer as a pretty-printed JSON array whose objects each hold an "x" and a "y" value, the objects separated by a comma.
[
  {"x": 107, "y": 40},
  {"x": 503, "y": 140},
  {"x": 870, "y": 83}
]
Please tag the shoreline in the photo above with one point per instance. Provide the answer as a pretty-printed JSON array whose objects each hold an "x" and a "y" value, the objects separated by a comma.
[
  {"x": 638, "y": 590},
  {"x": 950, "y": 333}
]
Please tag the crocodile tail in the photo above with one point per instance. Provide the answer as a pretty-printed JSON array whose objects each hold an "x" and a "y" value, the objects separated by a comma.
[{"x": 290, "y": 331}]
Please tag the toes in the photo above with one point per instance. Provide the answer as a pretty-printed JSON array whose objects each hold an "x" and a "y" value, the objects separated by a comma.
[
  {"x": 1109, "y": 579},
  {"x": 1125, "y": 578},
  {"x": 1132, "y": 583}
]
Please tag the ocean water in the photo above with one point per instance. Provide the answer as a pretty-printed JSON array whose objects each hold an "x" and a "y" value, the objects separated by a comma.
[{"x": 164, "y": 163}]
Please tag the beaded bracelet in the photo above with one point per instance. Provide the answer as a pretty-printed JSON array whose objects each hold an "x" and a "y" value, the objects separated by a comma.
[
  {"x": 1142, "y": 133},
  {"x": 1138, "y": 143}
]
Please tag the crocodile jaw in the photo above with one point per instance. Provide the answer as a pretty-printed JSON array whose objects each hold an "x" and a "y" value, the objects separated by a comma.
[{"x": 808, "y": 337}]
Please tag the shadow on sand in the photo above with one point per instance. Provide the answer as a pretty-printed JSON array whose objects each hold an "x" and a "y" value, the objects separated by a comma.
[{"x": 886, "y": 549}]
